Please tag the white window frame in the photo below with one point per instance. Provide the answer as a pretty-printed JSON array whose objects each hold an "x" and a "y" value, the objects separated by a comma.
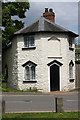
[
  {"x": 30, "y": 76},
  {"x": 29, "y": 41},
  {"x": 71, "y": 39},
  {"x": 71, "y": 65}
]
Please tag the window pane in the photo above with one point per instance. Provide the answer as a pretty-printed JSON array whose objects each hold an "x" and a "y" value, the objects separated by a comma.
[
  {"x": 70, "y": 41},
  {"x": 25, "y": 41},
  {"x": 27, "y": 74},
  {"x": 28, "y": 41},
  {"x": 70, "y": 71},
  {"x": 31, "y": 41},
  {"x": 33, "y": 72}
]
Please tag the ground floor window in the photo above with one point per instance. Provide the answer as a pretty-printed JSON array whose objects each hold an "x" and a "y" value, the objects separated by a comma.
[
  {"x": 29, "y": 71},
  {"x": 6, "y": 72},
  {"x": 71, "y": 64}
]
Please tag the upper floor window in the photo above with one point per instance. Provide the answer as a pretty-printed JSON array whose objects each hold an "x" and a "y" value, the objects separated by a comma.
[
  {"x": 29, "y": 41},
  {"x": 71, "y": 40}
]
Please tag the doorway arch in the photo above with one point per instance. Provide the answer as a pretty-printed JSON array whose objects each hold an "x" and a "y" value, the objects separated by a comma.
[
  {"x": 54, "y": 78},
  {"x": 54, "y": 72}
]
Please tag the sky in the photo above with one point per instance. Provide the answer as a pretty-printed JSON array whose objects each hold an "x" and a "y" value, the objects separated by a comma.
[{"x": 66, "y": 12}]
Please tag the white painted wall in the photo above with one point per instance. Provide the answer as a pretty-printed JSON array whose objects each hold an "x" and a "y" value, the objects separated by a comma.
[
  {"x": 44, "y": 53},
  {"x": 10, "y": 58}
]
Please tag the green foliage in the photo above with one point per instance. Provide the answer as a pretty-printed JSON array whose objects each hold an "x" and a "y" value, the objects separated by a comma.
[
  {"x": 10, "y": 9},
  {"x": 43, "y": 116},
  {"x": 34, "y": 89},
  {"x": 0, "y": 14},
  {"x": 6, "y": 88}
]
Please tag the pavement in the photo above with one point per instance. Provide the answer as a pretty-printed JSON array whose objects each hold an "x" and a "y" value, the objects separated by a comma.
[{"x": 39, "y": 93}]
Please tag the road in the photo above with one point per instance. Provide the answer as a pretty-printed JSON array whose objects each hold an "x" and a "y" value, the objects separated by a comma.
[{"x": 41, "y": 102}]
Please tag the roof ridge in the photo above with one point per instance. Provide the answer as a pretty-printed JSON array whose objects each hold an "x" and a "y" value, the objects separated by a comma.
[{"x": 41, "y": 24}]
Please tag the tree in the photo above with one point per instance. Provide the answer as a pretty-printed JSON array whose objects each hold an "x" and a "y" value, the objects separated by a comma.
[{"x": 10, "y": 9}]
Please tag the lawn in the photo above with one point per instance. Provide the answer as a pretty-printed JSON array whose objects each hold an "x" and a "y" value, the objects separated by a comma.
[{"x": 42, "y": 116}]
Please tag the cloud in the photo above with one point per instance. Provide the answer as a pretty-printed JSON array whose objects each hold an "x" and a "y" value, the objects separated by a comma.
[
  {"x": 66, "y": 13},
  {"x": 53, "y": 0}
]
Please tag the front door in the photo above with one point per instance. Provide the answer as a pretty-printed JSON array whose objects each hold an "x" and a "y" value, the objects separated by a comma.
[{"x": 54, "y": 78}]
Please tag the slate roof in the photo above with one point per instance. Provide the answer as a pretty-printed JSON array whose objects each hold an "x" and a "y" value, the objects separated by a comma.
[{"x": 44, "y": 25}]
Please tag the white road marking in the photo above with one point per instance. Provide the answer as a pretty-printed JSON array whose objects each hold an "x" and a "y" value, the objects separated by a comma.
[{"x": 72, "y": 100}]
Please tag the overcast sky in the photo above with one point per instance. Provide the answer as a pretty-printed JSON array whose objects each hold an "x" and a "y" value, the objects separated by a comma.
[{"x": 67, "y": 14}]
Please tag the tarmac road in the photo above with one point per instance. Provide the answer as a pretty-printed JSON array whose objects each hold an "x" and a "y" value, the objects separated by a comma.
[{"x": 40, "y": 102}]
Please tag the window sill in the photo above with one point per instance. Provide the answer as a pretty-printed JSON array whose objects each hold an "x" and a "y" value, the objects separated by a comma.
[
  {"x": 60, "y": 57},
  {"x": 70, "y": 48},
  {"x": 29, "y": 81},
  {"x": 71, "y": 79},
  {"x": 27, "y": 48}
]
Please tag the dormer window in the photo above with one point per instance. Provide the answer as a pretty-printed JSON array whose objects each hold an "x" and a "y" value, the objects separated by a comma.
[{"x": 29, "y": 41}]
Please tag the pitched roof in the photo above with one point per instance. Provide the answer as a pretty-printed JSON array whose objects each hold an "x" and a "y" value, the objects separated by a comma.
[{"x": 44, "y": 25}]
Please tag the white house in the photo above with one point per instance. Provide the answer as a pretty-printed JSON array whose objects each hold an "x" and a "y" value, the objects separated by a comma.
[{"x": 41, "y": 55}]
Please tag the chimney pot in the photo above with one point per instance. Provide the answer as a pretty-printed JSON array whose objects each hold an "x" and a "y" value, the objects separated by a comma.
[
  {"x": 46, "y": 9},
  {"x": 51, "y": 10},
  {"x": 49, "y": 14}
]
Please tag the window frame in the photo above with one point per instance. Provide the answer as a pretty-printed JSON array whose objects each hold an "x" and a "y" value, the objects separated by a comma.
[
  {"x": 71, "y": 39},
  {"x": 29, "y": 41},
  {"x": 71, "y": 65},
  {"x": 29, "y": 72}
]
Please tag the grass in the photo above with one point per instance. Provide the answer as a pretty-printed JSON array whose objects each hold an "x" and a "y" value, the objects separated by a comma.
[
  {"x": 5, "y": 88},
  {"x": 42, "y": 116}
]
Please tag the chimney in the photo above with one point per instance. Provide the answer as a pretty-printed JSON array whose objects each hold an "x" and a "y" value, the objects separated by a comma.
[{"x": 49, "y": 14}]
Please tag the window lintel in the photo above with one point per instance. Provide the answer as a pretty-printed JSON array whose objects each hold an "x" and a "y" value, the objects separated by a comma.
[
  {"x": 71, "y": 63},
  {"x": 29, "y": 62}
]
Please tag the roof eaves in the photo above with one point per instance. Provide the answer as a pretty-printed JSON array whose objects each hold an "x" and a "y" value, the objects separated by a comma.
[
  {"x": 73, "y": 34},
  {"x": 23, "y": 29}
]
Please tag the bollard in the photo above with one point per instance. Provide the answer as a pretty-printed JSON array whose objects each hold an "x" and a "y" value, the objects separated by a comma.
[
  {"x": 59, "y": 105},
  {"x": 3, "y": 106}
]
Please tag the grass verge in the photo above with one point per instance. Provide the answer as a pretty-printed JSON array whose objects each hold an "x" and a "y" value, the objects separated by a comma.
[{"x": 42, "y": 116}]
